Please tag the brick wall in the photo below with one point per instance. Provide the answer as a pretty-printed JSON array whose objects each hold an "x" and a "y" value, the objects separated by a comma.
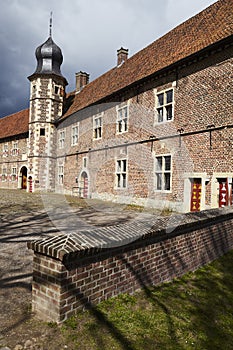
[
  {"x": 75, "y": 271},
  {"x": 201, "y": 98},
  {"x": 12, "y": 158}
]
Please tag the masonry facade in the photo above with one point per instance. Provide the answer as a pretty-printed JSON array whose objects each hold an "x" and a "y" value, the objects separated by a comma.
[{"x": 156, "y": 130}]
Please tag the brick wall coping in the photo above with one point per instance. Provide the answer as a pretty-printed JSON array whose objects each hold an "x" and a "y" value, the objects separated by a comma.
[{"x": 89, "y": 242}]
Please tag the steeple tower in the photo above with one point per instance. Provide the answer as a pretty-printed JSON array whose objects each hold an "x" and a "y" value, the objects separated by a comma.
[{"x": 46, "y": 107}]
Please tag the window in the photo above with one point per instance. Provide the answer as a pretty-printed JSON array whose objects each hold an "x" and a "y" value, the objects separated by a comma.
[
  {"x": 84, "y": 162},
  {"x": 122, "y": 119},
  {"x": 121, "y": 172},
  {"x": 14, "y": 174},
  {"x": 33, "y": 88},
  {"x": 14, "y": 148},
  {"x": 165, "y": 102},
  {"x": 42, "y": 131},
  {"x": 163, "y": 173},
  {"x": 97, "y": 127},
  {"x": 60, "y": 174},
  {"x": 5, "y": 150},
  {"x": 74, "y": 136},
  {"x": 56, "y": 89},
  {"x": 4, "y": 174},
  {"x": 61, "y": 139}
]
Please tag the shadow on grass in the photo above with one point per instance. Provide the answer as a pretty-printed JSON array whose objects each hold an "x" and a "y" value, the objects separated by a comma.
[{"x": 206, "y": 303}]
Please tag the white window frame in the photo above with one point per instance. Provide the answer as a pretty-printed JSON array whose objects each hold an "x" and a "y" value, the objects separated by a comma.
[
  {"x": 162, "y": 107},
  {"x": 121, "y": 173},
  {"x": 61, "y": 174},
  {"x": 4, "y": 174},
  {"x": 5, "y": 150},
  {"x": 13, "y": 174},
  {"x": 161, "y": 172},
  {"x": 74, "y": 135},
  {"x": 62, "y": 136},
  {"x": 122, "y": 124},
  {"x": 14, "y": 150},
  {"x": 97, "y": 126}
]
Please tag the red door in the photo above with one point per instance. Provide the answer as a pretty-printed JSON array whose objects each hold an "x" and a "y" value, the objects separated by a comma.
[
  {"x": 223, "y": 193},
  {"x": 85, "y": 187},
  {"x": 196, "y": 195}
]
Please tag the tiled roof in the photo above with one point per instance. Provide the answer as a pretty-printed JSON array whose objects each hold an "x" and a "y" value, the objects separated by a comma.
[
  {"x": 208, "y": 27},
  {"x": 14, "y": 124}
]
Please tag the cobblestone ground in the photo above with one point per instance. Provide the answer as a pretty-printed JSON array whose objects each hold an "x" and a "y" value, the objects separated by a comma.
[{"x": 25, "y": 217}]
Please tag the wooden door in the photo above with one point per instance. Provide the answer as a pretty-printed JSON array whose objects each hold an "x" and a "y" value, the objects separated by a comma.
[
  {"x": 196, "y": 195},
  {"x": 24, "y": 182},
  {"x": 84, "y": 185}
]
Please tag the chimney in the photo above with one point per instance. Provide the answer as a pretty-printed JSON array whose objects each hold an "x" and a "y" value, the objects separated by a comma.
[
  {"x": 82, "y": 79},
  {"x": 122, "y": 55}
]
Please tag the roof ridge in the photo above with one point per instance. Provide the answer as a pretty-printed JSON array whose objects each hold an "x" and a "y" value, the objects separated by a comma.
[{"x": 202, "y": 30}]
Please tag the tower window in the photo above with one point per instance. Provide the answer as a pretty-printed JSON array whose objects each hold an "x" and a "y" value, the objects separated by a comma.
[
  {"x": 56, "y": 89},
  {"x": 42, "y": 131}
]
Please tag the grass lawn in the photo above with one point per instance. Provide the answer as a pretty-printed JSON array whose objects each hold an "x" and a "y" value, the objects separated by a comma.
[{"x": 193, "y": 312}]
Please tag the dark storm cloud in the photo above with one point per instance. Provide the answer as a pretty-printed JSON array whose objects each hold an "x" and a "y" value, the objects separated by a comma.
[{"x": 89, "y": 33}]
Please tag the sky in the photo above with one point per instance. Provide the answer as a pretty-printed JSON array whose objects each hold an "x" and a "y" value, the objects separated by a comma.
[{"x": 89, "y": 33}]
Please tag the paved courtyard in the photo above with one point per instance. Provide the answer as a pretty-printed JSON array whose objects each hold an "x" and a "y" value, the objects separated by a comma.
[{"x": 25, "y": 217}]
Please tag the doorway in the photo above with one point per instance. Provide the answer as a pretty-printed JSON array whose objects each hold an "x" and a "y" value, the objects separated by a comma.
[
  {"x": 195, "y": 204},
  {"x": 23, "y": 176},
  {"x": 84, "y": 185}
]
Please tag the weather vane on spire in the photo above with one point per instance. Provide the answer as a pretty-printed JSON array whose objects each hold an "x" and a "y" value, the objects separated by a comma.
[{"x": 50, "y": 24}]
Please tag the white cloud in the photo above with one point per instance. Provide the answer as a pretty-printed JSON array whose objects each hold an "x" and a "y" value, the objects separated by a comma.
[{"x": 89, "y": 33}]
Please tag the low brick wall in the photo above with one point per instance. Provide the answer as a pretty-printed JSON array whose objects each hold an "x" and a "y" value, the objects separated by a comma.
[{"x": 81, "y": 269}]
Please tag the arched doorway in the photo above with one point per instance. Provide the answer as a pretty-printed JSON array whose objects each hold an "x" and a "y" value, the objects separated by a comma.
[
  {"x": 84, "y": 185},
  {"x": 23, "y": 177}
]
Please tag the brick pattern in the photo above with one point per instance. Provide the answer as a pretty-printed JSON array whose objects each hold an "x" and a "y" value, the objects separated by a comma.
[
  {"x": 10, "y": 158},
  {"x": 46, "y": 106},
  {"x": 201, "y": 98},
  {"x": 87, "y": 276}
]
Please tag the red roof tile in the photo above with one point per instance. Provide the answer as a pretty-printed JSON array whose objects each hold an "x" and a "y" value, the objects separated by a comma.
[
  {"x": 206, "y": 28},
  {"x": 14, "y": 124}
]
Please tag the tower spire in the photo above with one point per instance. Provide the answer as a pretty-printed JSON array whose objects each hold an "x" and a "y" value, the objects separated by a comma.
[{"x": 50, "y": 24}]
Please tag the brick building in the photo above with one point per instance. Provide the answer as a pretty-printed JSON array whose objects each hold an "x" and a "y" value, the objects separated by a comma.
[{"x": 155, "y": 130}]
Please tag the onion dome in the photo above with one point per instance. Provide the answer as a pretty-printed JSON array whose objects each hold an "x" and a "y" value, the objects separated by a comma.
[{"x": 49, "y": 58}]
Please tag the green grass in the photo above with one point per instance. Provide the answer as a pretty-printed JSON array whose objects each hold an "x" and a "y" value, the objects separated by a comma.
[{"x": 194, "y": 312}]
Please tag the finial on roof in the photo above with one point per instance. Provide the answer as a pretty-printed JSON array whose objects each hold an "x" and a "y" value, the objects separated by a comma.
[{"x": 50, "y": 24}]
